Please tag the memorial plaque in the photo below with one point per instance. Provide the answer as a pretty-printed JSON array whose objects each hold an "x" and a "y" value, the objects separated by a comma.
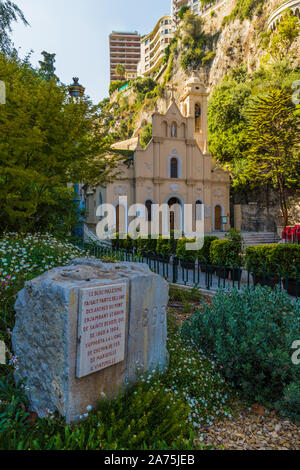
[{"x": 101, "y": 328}]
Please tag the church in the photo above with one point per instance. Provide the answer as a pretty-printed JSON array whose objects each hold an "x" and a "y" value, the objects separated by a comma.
[{"x": 174, "y": 169}]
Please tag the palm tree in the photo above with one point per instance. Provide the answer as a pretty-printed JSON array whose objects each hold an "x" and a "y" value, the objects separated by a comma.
[{"x": 120, "y": 71}]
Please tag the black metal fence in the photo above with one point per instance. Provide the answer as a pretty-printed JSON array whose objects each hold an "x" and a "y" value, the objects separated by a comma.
[{"x": 201, "y": 274}]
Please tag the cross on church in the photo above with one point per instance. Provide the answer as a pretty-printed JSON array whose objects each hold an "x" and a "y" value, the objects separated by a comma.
[{"x": 172, "y": 90}]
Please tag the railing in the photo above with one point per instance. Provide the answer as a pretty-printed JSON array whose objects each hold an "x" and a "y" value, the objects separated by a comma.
[{"x": 201, "y": 274}]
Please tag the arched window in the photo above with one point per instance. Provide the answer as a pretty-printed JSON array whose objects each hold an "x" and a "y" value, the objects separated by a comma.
[
  {"x": 148, "y": 205},
  {"x": 198, "y": 210},
  {"x": 197, "y": 117},
  {"x": 174, "y": 168}
]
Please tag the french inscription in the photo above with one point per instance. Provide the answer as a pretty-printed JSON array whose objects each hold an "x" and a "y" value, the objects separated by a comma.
[{"x": 101, "y": 329}]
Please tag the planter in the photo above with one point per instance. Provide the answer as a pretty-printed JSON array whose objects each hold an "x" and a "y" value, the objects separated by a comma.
[
  {"x": 270, "y": 281},
  {"x": 222, "y": 273},
  {"x": 236, "y": 274},
  {"x": 292, "y": 287},
  {"x": 188, "y": 264}
]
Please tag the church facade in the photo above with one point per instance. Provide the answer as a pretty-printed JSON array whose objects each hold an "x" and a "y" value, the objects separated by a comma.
[{"x": 174, "y": 169}]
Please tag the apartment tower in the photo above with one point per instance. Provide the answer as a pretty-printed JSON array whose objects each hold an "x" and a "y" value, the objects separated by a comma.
[{"x": 125, "y": 49}]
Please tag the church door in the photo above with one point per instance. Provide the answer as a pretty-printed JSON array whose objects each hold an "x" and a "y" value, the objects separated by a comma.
[
  {"x": 118, "y": 218},
  {"x": 218, "y": 218}
]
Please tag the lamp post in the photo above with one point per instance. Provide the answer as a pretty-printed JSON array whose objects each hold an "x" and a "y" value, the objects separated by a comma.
[{"x": 77, "y": 91}]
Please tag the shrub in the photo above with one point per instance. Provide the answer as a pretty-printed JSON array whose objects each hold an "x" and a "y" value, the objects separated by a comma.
[
  {"x": 220, "y": 252},
  {"x": 288, "y": 258},
  {"x": 228, "y": 252},
  {"x": 116, "y": 85},
  {"x": 146, "y": 244},
  {"x": 146, "y": 135},
  {"x": 204, "y": 253},
  {"x": 259, "y": 259},
  {"x": 164, "y": 246},
  {"x": 184, "y": 254},
  {"x": 250, "y": 334},
  {"x": 289, "y": 405}
]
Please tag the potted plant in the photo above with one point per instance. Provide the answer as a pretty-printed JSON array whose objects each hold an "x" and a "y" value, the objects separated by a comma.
[
  {"x": 260, "y": 262},
  {"x": 227, "y": 255},
  {"x": 286, "y": 258},
  {"x": 187, "y": 257},
  {"x": 204, "y": 254},
  {"x": 164, "y": 248}
]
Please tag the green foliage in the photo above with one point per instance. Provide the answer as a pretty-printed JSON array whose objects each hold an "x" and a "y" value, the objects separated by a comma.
[
  {"x": 47, "y": 68},
  {"x": 228, "y": 252},
  {"x": 47, "y": 141},
  {"x": 280, "y": 41},
  {"x": 184, "y": 295},
  {"x": 116, "y": 85},
  {"x": 259, "y": 259},
  {"x": 289, "y": 405},
  {"x": 183, "y": 11},
  {"x": 204, "y": 253},
  {"x": 9, "y": 13},
  {"x": 272, "y": 134},
  {"x": 146, "y": 135},
  {"x": 161, "y": 412},
  {"x": 165, "y": 246},
  {"x": 120, "y": 70},
  {"x": 147, "y": 245},
  {"x": 244, "y": 10},
  {"x": 250, "y": 334},
  {"x": 288, "y": 258},
  {"x": 143, "y": 86},
  {"x": 228, "y": 115},
  {"x": 197, "y": 46},
  {"x": 185, "y": 255}
]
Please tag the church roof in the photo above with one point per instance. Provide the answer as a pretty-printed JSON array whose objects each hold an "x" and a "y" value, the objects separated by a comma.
[{"x": 129, "y": 144}]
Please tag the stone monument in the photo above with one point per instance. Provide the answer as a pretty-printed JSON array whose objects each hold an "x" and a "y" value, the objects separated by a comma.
[{"x": 86, "y": 330}]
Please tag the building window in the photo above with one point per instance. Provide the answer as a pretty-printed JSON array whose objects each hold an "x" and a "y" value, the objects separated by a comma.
[
  {"x": 198, "y": 210},
  {"x": 148, "y": 205},
  {"x": 174, "y": 168}
]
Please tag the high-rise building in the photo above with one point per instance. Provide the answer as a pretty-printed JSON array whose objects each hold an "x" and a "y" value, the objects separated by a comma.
[
  {"x": 153, "y": 46},
  {"x": 125, "y": 49}
]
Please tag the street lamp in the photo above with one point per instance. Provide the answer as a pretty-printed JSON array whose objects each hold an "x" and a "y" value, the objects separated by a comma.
[{"x": 76, "y": 90}]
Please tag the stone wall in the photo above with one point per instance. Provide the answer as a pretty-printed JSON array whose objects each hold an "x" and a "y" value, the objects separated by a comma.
[{"x": 259, "y": 210}]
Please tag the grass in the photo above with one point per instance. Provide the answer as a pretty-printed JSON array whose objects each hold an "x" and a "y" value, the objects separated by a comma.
[{"x": 163, "y": 411}]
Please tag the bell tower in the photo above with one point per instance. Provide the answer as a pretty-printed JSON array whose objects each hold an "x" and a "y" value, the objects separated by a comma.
[{"x": 194, "y": 105}]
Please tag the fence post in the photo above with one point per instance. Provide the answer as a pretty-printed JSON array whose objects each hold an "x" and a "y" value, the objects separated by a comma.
[{"x": 175, "y": 269}]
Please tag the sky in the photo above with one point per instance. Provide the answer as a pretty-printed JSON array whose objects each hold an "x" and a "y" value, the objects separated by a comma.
[{"x": 77, "y": 32}]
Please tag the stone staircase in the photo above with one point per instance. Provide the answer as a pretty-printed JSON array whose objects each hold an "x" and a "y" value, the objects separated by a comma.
[{"x": 260, "y": 238}]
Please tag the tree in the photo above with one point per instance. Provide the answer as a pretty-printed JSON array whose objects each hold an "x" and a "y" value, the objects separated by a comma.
[
  {"x": 47, "y": 68},
  {"x": 227, "y": 116},
  {"x": 273, "y": 136},
  {"x": 146, "y": 135},
  {"x": 9, "y": 13},
  {"x": 48, "y": 141},
  {"x": 283, "y": 38},
  {"x": 120, "y": 71},
  {"x": 183, "y": 11}
]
